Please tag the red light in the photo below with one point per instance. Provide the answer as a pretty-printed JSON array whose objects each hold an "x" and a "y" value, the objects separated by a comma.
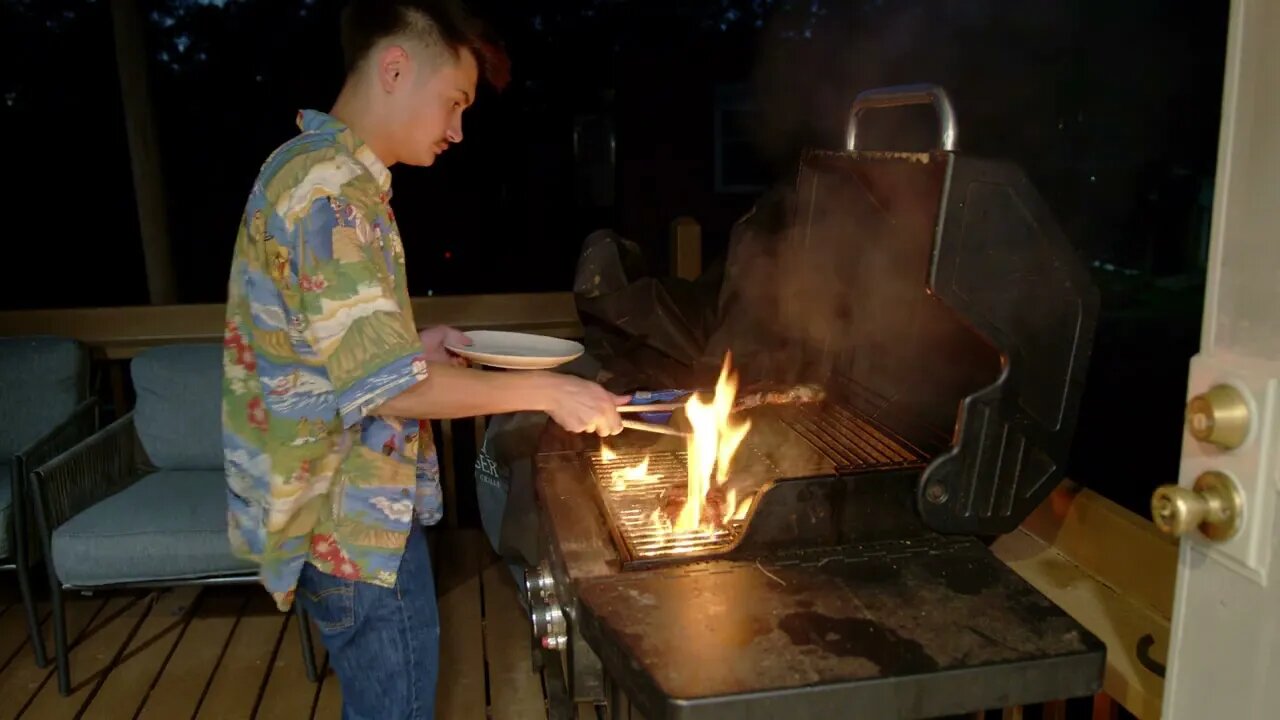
[{"x": 448, "y": 255}]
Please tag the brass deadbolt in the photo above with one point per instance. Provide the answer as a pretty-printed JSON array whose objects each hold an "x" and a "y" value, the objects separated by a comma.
[
  {"x": 1219, "y": 416},
  {"x": 1214, "y": 506}
]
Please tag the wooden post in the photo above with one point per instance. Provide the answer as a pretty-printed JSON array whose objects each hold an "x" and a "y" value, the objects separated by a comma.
[
  {"x": 686, "y": 248},
  {"x": 1104, "y": 708},
  {"x": 448, "y": 475},
  {"x": 144, "y": 150}
]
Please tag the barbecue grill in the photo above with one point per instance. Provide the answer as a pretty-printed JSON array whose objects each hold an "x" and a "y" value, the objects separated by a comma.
[{"x": 949, "y": 322}]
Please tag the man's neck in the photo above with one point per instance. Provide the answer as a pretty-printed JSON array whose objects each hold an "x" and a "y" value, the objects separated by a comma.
[{"x": 357, "y": 110}]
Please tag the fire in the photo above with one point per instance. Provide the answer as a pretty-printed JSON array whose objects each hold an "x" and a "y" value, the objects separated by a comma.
[
  {"x": 621, "y": 479},
  {"x": 712, "y": 445},
  {"x": 714, "y": 440}
]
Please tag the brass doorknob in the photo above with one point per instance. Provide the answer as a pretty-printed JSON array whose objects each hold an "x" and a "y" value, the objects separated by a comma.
[
  {"x": 1219, "y": 416},
  {"x": 1214, "y": 506}
]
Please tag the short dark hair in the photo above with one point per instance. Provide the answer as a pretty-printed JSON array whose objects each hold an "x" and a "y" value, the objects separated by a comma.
[{"x": 442, "y": 24}]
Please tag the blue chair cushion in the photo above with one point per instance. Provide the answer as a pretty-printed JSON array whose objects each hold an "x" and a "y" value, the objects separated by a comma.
[
  {"x": 178, "y": 413},
  {"x": 6, "y": 509},
  {"x": 169, "y": 525},
  {"x": 42, "y": 379}
]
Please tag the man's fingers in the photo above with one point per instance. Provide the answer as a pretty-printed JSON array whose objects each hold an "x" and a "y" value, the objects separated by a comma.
[
  {"x": 610, "y": 423},
  {"x": 621, "y": 399},
  {"x": 456, "y": 337}
]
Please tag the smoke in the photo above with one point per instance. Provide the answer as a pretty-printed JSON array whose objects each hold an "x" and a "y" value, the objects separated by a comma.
[
  {"x": 827, "y": 283},
  {"x": 998, "y": 61},
  {"x": 826, "y": 279}
]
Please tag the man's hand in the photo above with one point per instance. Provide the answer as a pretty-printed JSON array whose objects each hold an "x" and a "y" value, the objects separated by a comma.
[
  {"x": 434, "y": 339},
  {"x": 579, "y": 405}
]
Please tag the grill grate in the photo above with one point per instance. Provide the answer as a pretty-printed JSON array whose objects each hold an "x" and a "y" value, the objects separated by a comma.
[
  {"x": 636, "y": 511},
  {"x": 850, "y": 440}
]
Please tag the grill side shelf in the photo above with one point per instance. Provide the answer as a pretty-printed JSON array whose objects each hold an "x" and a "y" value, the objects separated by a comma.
[{"x": 939, "y": 622}]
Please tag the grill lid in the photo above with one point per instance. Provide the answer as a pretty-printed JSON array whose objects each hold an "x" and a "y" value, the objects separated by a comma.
[{"x": 934, "y": 292}]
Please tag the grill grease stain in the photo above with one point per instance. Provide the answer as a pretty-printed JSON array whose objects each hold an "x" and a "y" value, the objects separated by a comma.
[
  {"x": 962, "y": 578},
  {"x": 1034, "y": 610},
  {"x": 858, "y": 637},
  {"x": 746, "y": 633},
  {"x": 874, "y": 571}
]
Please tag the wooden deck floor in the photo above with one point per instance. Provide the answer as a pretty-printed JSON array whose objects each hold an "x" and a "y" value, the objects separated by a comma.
[{"x": 227, "y": 653}]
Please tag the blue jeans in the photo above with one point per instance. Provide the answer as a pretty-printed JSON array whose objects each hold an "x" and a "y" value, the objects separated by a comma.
[{"x": 384, "y": 643}]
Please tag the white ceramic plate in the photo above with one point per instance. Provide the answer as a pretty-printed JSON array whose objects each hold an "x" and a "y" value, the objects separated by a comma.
[{"x": 517, "y": 351}]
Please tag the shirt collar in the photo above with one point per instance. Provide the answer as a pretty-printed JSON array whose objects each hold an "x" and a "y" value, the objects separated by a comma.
[{"x": 314, "y": 121}]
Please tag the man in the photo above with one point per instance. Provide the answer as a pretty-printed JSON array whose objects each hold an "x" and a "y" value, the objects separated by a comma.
[{"x": 328, "y": 387}]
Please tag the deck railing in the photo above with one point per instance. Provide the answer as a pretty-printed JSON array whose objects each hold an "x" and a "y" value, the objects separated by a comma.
[{"x": 116, "y": 334}]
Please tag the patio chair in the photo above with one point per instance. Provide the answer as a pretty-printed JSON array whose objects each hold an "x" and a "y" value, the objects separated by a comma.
[
  {"x": 45, "y": 403},
  {"x": 143, "y": 502}
]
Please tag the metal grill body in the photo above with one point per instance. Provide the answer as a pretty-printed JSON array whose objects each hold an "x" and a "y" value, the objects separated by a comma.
[
  {"x": 949, "y": 322},
  {"x": 828, "y": 564}
]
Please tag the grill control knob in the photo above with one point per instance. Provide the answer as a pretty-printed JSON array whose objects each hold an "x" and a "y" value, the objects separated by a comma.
[
  {"x": 549, "y": 627},
  {"x": 539, "y": 583},
  {"x": 1219, "y": 416},
  {"x": 1214, "y": 506}
]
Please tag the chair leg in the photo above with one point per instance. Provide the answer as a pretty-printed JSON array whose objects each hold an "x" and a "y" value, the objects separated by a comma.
[
  {"x": 33, "y": 622},
  {"x": 308, "y": 651},
  {"x": 60, "y": 640}
]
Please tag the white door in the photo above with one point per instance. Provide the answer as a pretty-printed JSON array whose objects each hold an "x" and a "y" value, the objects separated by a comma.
[{"x": 1224, "y": 656}]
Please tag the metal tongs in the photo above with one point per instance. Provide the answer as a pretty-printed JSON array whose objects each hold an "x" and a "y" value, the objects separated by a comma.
[
  {"x": 652, "y": 427},
  {"x": 651, "y": 408},
  {"x": 662, "y": 402},
  {"x": 646, "y": 404}
]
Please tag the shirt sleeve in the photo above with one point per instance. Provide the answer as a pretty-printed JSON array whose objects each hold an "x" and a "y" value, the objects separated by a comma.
[{"x": 352, "y": 315}]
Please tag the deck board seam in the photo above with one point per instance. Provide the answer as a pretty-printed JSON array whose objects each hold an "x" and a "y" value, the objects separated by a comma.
[
  {"x": 191, "y": 613},
  {"x": 213, "y": 673},
  {"x": 52, "y": 670},
  {"x": 271, "y": 664},
  {"x": 152, "y": 600},
  {"x": 44, "y": 618}
]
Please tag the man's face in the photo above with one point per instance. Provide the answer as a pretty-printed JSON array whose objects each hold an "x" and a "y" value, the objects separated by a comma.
[{"x": 427, "y": 100}]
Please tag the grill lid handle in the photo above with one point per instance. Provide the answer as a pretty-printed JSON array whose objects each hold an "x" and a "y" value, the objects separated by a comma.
[{"x": 900, "y": 95}]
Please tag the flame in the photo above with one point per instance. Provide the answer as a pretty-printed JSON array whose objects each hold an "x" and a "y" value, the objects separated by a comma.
[
  {"x": 715, "y": 438},
  {"x": 712, "y": 445}
]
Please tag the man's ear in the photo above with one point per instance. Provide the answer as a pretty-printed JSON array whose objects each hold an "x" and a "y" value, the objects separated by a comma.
[{"x": 393, "y": 67}]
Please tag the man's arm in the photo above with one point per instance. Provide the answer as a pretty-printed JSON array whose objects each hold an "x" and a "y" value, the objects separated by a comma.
[
  {"x": 575, "y": 404},
  {"x": 373, "y": 355},
  {"x": 351, "y": 316}
]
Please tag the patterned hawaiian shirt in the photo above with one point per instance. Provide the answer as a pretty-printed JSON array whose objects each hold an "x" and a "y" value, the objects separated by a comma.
[{"x": 319, "y": 332}]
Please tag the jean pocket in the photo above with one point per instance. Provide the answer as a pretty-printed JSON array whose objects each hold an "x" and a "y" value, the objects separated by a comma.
[{"x": 329, "y": 600}]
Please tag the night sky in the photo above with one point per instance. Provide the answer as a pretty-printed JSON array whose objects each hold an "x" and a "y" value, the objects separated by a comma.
[{"x": 1110, "y": 108}]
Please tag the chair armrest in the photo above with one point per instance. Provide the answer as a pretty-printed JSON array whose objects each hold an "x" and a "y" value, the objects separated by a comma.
[
  {"x": 95, "y": 468},
  {"x": 80, "y": 424}
]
